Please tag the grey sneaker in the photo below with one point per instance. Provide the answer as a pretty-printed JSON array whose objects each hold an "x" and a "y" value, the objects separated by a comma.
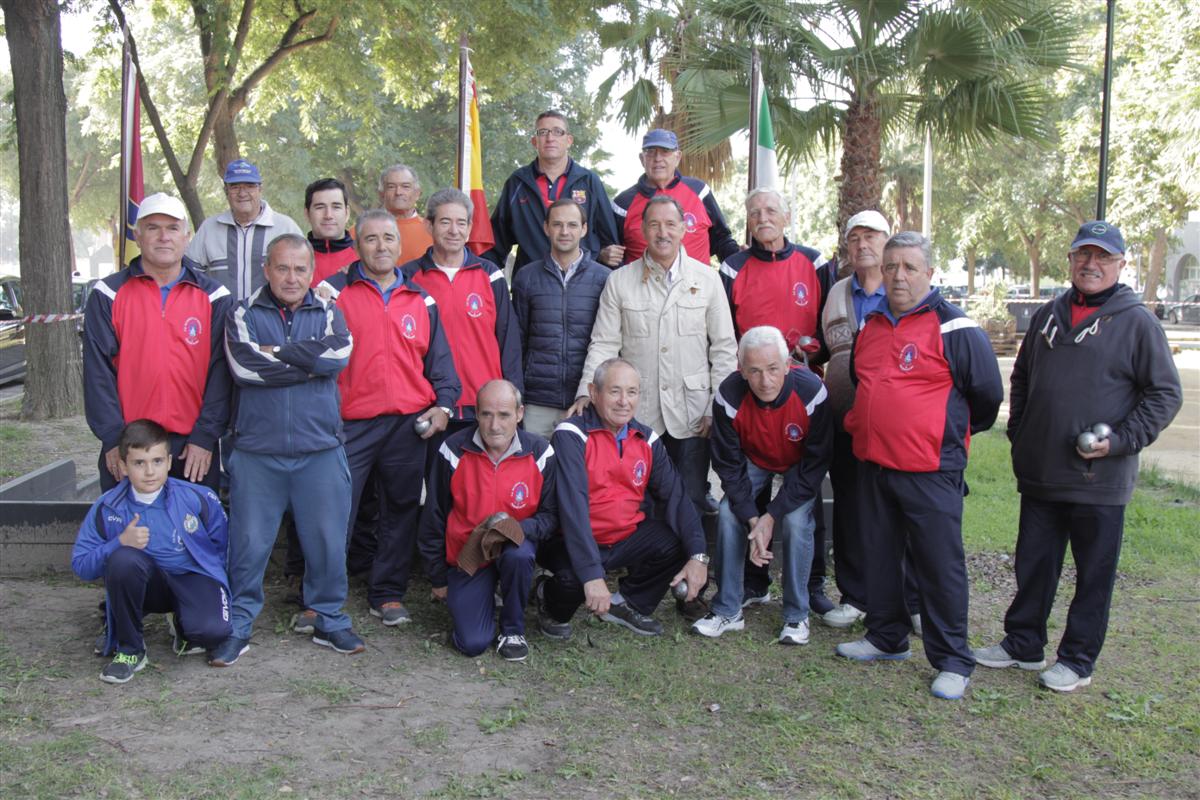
[
  {"x": 179, "y": 645},
  {"x": 626, "y": 615},
  {"x": 997, "y": 657},
  {"x": 1062, "y": 678},
  {"x": 392, "y": 613},
  {"x": 713, "y": 625},
  {"x": 843, "y": 616},
  {"x": 862, "y": 650},
  {"x": 512, "y": 647},
  {"x": 123, "y": 667},
  {"x": 949, "y": 685},
  {"x": 794, "y": 633},
  {"x": 305, "y": 622}
]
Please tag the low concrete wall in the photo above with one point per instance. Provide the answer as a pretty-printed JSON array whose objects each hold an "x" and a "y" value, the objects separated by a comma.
[{"x": 37, "y": 535}]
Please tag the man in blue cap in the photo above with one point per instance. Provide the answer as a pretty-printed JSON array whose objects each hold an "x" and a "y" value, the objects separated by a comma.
[
  {"x": 705, "y": 232},
  {"x": 232, "y": 246},
  {"x": 1095, "y": 359}
]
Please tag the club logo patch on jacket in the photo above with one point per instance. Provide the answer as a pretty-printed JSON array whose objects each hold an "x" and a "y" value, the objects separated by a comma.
[
  {"x": 689, "y": 221},
  {"x": 408, "y": 326},
  {"x": 192, "y": 330},
  {"x": 639, "y": 473},
  {"x": 908, "y": 357},
  {"x": 474, "y": 305},
  {"x": 800, "y": 293},
  {"x": 793, "y": 432},
  {"x": 520, "y": 495},
  {"x": 579, "y": 196},
  {"x": 190, "y": 523}
]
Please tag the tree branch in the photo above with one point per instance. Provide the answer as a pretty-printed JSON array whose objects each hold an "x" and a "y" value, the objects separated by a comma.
[
  {"x": 287, "y": 46},
  {"x": 85, "y": 175}
]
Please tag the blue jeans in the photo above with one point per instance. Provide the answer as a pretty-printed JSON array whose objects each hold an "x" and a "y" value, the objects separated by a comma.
[
  {"x": 794, "y": 534},
  {"x": 316, "y": 487}
]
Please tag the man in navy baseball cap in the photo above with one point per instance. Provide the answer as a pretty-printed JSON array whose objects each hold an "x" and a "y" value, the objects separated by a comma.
[{"x": 1102, "y": 234}]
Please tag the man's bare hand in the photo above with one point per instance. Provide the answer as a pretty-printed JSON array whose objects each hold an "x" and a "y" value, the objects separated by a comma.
[
  {"x": 597, "y": 596},
  {"x": 196, "y": 461},
  {"x": 705, "y": 427},
  {"x": 135, "y": 535},
  {"x": 696, "y": 575},
  {"x": 438, "y": 420},
  {"x": 112, "y": 463},
  {"x": 761, "y": 530},
  {"x": 1099, "y": 450},
  {"x": 611, "y": 256},
  {"x": 578, "y": 406}
]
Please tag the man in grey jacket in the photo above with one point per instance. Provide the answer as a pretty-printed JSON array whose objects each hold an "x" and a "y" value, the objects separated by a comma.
[
  {"x": 1095, "y": 360},
  {"x": 232, "y": 246}
]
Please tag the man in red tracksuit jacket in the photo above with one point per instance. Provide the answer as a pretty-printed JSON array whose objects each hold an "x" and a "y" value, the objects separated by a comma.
[
  {"x": 472, "y": 297},
  {"x": 399, "y": 373},
  {"x": 927, "y": 379},
  {"x": 328, "y": 211},
  {"x": 489, "y": 468},
  {"x": 153, "y": 348}
]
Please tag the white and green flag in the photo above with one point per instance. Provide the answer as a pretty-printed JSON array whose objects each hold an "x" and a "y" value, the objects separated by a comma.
[{"x": 766, "y": 169}]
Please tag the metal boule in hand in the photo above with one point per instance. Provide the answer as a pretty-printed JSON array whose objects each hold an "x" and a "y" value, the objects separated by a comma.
[
  {"x": 422, "y": 425},
  {"x": 1102, "y": 430},
  {"x": 1086, "y": 442},
  {"x": 680, "y": 590}
]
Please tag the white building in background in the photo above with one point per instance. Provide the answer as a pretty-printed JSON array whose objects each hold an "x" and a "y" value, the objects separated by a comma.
[{"x": 1182, "y": 270}]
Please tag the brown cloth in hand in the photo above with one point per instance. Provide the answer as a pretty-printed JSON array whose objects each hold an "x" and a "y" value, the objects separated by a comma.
[{"x": 487, "y": 540}]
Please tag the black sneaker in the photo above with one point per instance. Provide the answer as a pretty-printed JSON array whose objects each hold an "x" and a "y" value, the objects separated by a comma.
[
  {"x": 179, "y": 645},
  {"x": 548, "y": 625},
  {"x": 625, "y": 614},
  {"x": 228, "y": 652},
  {"x": 123, "y": 666},
  {"x": 818, "y": 603},
  {"x": 512, "y": 648},
  {"x": 101, "y": 643},
  {"x": 342, "y": 641}
]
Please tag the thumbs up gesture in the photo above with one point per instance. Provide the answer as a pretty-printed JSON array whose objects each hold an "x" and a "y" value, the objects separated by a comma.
[{"x": 135, "y": 535}]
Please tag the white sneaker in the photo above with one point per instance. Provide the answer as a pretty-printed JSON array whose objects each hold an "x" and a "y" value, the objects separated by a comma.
[
  {"x": 1062, "y": 678},
  {"x": 997, "y": 657},
  {"x": 949, "y": 686},
  {"x": 843, "y": 616},
  {"x": 713, "y": 625},
  {"x": 794, "y": 633}
]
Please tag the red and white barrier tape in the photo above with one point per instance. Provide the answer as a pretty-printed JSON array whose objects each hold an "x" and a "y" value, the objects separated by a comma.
[{"x": 48, "y": 318}]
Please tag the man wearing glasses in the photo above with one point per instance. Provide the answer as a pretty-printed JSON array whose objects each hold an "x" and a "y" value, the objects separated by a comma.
[
  {"x": 1095, "y": 356},
  {"x": 520, "y": 213}
]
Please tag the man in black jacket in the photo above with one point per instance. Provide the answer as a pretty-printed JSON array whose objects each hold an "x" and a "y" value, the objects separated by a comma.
[
  {"x": 520, "y": 213},
  {"x": 1093, "y": 356}
]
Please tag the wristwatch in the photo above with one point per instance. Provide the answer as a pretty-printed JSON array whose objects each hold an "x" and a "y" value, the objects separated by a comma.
[{"x": 701, "y": 557}]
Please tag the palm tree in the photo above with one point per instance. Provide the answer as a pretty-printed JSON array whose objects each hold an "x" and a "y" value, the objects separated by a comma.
[{"x": 852, "y": 70}]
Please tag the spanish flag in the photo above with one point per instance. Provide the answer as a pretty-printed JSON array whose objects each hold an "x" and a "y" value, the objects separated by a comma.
[
  {"x": 133, "y": 189},
  {"x": 470, "y": 161}
]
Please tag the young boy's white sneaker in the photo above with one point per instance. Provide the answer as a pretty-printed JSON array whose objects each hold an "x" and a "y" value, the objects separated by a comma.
[
  {"x": 1062, "y": 678},
  {"x": 713, "y": 625},
  {"x": 794, "y": 633},
  {"x": 843, "y": 616},
  {"x": 949, "y": 686},
  {"x": 997, "y": 657}
]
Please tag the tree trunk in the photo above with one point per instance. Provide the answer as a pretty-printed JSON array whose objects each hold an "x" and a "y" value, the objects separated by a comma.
[
  {"x": 1033, "y": 247},
  {"x": 54, "y": 377},
  {"x": 861, "y": 139},
  {"x": 225, "y": 141},
  {"x": 970, "y": 259},
  {"x": 1158, "y": 260}
]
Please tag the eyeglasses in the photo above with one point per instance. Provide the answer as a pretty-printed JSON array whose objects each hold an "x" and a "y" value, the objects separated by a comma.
[
  {"x": 543, "y": 133},
  {"x": 1084, "y": 256}
]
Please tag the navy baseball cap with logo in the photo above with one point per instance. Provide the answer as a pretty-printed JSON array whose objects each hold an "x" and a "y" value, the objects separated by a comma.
[
  {"x": 1101, "y": 234},
  {"x": 242, "y": 171},
  {"x": 660, "y": 137}
]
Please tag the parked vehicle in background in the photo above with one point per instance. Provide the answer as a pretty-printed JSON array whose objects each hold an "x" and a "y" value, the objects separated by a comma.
[
  {"x": 12, "y": 330},
  {"x": 1186, "y": 310},
  {"x": 1049, "y": 292},
  {"x": 1019, "y": 291}
]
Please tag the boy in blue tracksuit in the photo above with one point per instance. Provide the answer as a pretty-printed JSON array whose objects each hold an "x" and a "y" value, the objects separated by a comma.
[{"x": 159, "y": 543}]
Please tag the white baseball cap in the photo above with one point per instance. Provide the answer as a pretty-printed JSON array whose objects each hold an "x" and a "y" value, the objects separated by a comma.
[
  {"x": 162, "y": 203},
  {"x": 868, "y": 219}
]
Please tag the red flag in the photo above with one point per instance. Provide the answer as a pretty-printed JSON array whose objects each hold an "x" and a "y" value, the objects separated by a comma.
[
  {"x": 470, "y": 163},
  {"x": 133, "y": 189}
]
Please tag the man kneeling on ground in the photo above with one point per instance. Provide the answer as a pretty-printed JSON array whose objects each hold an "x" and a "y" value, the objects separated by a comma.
[
  {"x": 606, "y": 462},
  {"x": 490, "y": 501},
  {"x": 768, "y": 420},
  {"x": 159, "y": 543}
]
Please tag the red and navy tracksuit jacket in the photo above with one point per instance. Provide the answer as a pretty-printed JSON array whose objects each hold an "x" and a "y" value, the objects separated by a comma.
[
  {"x": 784, "y": 289},
  {"x": 146, "y": 360},
  {"x": 330, "y": 255},
  {"x": 602, "y": 489},
  {"x": 484, "y": 336},
  {"x": 707, "y": 233},
  {"x": 926, "y": 381},
  {"x": 465, "y": 488},
  {"x": 401, "y": 363},
  {"x": 791, "y": 436},
  {"x": 287, "y": 401}
]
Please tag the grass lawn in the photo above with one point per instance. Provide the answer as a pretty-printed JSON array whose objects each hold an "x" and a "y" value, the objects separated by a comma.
[{"x": 609, "y": 714}]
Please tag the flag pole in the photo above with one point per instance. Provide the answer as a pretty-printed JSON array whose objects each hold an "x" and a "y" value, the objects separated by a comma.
[
  {"x": 752, "y": 172},
  {"x": 464, "y": 168},
  {"x": 123, "y": 203}
]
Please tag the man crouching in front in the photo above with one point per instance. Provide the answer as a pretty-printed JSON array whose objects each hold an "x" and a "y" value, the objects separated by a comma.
[{"x": 607, "y": 461}]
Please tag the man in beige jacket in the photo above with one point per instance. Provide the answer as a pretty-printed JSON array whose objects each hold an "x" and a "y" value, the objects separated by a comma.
[{"x": 667, "y": 314}]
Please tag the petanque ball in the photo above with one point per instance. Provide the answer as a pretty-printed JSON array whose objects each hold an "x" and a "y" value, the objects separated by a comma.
[
  {"x": 1086, "y": 442},
  {"x": 680, "y": 590},
  {"x": 1102, "y": 430}
]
